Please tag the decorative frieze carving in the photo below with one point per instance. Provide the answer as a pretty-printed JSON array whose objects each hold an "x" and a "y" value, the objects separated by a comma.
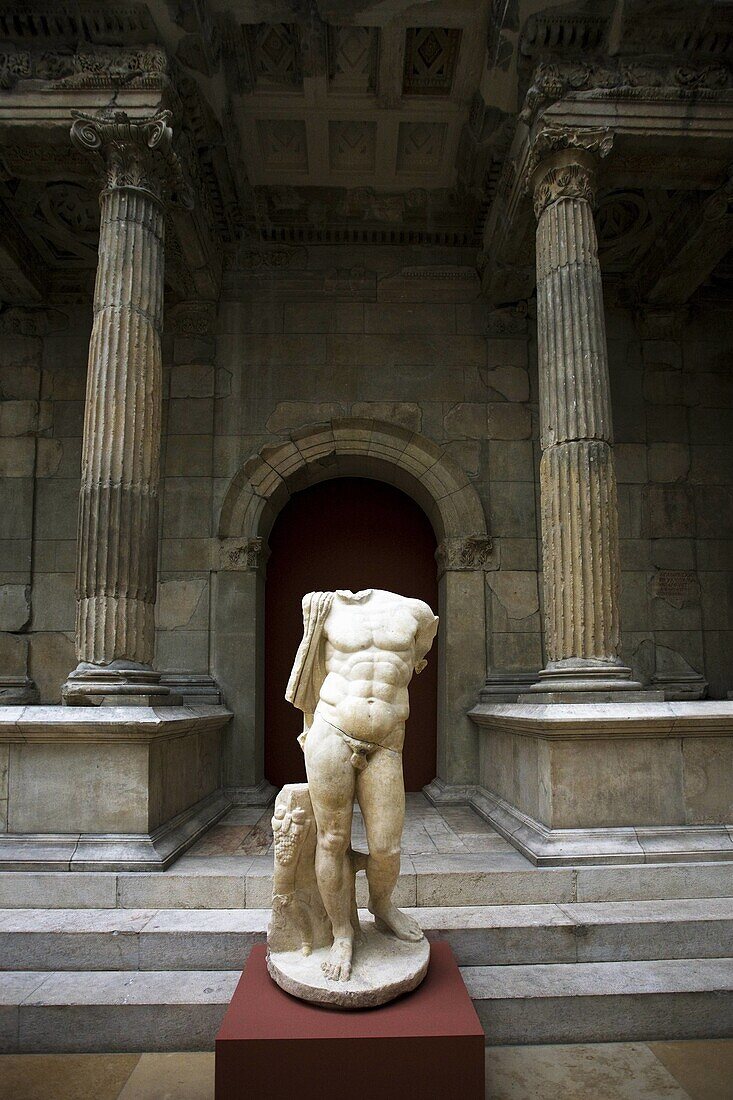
[
  {"x": 473, "y": 552},
  {"x": 32, "y": 322},
  {"x": 630, "y": 79},
  {"x": 508, "y": 321},
  {"x": 243, "y": 555},
  {"x": 191, "y": 318},
  {"x": 90, "y": 67}
]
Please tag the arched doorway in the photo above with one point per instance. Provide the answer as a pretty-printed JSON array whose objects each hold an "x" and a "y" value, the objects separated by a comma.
[{"x": 345, "y": 533}]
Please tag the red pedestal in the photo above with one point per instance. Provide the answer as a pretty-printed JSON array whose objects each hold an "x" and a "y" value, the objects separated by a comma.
[{"x": 428, "y": 1044}]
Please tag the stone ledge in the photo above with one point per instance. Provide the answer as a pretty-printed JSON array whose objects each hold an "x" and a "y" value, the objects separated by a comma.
[
  {"x": 60, "y": 724},
  {"x": 577, "y": 847},
  {"x": 589, "y": 720},
  {"x": 153, "y": 851}
]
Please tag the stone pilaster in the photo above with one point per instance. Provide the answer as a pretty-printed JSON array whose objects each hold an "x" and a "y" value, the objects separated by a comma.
[
  {"x": 577, "y": 475},
  {"x": 118, "y": 506}
]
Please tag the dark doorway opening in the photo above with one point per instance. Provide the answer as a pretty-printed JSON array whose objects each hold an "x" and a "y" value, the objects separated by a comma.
[{"x": 348, "y": 533}]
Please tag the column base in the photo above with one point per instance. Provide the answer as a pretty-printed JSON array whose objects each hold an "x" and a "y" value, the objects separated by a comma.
[
  {"x": 121, "y": 683},
  {"x": 504, "y": 686},
  {"x": 17, "y": 691},
  {"x": 581, "y": 679}
]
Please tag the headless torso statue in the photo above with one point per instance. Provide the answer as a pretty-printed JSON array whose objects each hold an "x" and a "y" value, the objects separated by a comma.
[{"x": 350, "y": 679}]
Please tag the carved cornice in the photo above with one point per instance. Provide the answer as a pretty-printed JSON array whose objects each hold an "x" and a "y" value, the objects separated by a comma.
[
  {"x": 571, "y": 176},
  {"x": 135, "y": 153},
  {"x": 622, "y": 79}
]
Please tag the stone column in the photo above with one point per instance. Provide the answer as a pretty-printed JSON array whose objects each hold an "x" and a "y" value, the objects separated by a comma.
[
  {"x": 118, "y": 507},
  {"x": 577, "y": 476}
]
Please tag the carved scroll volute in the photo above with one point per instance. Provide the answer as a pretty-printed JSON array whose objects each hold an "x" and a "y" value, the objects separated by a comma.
[{"x": 134, "y": 153}]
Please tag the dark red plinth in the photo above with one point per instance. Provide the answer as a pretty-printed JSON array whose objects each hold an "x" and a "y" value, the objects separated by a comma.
[{"x": 428, "y": 1044}]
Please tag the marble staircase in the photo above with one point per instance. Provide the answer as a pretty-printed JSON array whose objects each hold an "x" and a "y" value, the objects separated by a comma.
[
  {"x": 91, "y": 979},
  {"x": 143, "y": 961}
]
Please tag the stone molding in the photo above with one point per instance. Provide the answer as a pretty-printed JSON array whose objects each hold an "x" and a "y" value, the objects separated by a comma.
[
  {"x": 134, "y": 153},
  {"x": 474, "y": 552},
  {"x": 351, "y": 447}
]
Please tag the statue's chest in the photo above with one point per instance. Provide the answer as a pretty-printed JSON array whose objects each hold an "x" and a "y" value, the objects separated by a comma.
[{"x": 350, "y": 629}]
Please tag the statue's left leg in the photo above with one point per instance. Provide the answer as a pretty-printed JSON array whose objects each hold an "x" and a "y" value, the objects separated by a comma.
[{"x": 380, "y": 791}]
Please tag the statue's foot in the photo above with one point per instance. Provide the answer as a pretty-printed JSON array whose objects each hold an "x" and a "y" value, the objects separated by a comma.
[
  {"x": 388, "y": 918},
  {"x": 337, "y": 966}
]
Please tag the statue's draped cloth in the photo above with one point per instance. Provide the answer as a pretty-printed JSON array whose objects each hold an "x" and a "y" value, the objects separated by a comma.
[{"x": 309, "y": 669}]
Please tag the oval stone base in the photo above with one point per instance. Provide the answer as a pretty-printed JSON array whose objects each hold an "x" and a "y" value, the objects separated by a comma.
[{"x": 383, "y": 968}]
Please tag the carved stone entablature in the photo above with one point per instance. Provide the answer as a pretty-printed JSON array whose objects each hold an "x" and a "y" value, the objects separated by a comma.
[
  {"x": 142, "y": 67},
  {"x": 638, "y": 80},
  {"x": 32, "y": 322},
  {"x": 243, "y": 555},
  {"x": 191, "y": 318},
  {"x": 462, "y": 554},
  {"x": 133, "y": 152},
  {"x": 574, "y": 176},
  {"x": 508, "y": 321}
]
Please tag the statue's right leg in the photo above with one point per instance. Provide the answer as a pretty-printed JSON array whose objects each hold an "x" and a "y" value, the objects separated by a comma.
[{"x": 331, "y": 785}]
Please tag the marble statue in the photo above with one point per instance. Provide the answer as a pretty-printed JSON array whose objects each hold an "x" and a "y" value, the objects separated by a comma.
[{"x": 350, "y": 679}]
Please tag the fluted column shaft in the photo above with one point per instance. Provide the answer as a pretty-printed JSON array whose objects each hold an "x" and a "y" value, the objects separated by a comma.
[
  {"x": 577, "y": 475},
  {"x": 118, "y": 506}
]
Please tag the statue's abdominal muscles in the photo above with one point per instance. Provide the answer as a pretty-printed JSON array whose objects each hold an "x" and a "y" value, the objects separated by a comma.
[{"x": 369, "y": 664}]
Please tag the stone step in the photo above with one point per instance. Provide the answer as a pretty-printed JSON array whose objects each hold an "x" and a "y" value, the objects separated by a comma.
[
  {"x": 453, "y": 880},
  {"x": 603, "y": 1002},
  {"x": 220, "y": 939},
  {"x": 557, "y": 1003}
]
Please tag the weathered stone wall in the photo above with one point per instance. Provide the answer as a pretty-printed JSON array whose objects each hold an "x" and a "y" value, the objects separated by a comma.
[
  {"x": 393, "y": 339},
  {"x": 42, "y": 381},
  {"x": 673, "y": 416}
]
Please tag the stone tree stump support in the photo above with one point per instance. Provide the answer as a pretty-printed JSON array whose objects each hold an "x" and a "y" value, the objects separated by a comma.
[
  {"x": 577, "y": 475},
  {"x": 118, "y": 506}
]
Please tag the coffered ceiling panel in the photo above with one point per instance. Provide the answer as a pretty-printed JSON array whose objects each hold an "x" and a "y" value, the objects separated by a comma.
[{"x": 377, "y": 104}]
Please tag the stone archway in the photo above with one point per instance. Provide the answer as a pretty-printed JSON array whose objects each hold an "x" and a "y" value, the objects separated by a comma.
[{"x": 350, "y": 447}]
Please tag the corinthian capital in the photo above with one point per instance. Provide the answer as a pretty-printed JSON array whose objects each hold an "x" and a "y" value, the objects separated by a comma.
[
  {"x": 133, "y": 152},
  {"x": 562, "y": 164}
]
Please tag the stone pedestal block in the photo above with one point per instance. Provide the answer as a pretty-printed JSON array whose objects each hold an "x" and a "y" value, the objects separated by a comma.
[
  {"x": 608, "y": 782},
  {"x": 110, "y": 788},
  {"x": 424, "y": 1044}
]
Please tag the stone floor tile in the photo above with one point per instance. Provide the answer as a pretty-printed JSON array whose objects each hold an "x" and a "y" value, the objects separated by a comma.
[
  {"x": 65, "y": 1076},
  {"x": 704, "y": 1067},
  {"x": 171, "y": 1077},
  {"x": 601, "y": 1071},
  {"x": 486, "y": 842}
]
